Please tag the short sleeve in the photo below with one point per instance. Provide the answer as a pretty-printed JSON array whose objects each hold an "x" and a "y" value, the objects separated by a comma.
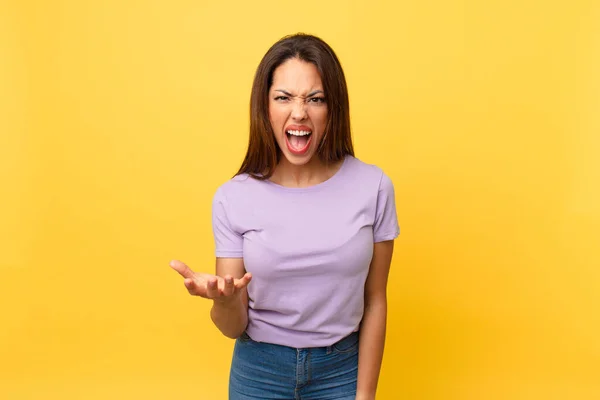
[
  {"x": 228, "y": 242},
  {"x": 386, "y": 220}
]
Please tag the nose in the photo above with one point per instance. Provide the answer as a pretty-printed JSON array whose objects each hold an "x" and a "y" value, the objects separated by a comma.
[{"x": 299, "y": 110}]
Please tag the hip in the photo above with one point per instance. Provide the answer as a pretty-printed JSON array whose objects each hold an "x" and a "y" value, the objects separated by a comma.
[{"x": 268, "y": 371}]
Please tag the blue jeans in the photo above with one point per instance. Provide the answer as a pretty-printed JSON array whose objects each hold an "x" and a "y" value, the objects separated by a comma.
[{"x": 261, "y": 371}]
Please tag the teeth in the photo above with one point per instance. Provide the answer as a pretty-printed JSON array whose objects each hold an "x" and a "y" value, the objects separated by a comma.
[{"x": 299, "y": 133}]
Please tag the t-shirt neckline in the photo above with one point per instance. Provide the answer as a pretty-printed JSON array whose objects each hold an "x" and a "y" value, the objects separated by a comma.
[{"x": 318, "y": 186}]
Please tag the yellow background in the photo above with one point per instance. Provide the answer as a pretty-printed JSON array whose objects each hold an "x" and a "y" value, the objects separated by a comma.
[{"x": 118, "y": 120}]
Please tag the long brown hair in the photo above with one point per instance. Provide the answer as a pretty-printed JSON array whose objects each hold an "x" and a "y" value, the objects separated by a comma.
[{"x": 263, "y": 153}]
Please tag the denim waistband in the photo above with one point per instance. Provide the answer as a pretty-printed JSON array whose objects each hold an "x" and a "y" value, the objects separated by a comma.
[
  {"x": 342, "y": 343},
  {"x": 345, "y": 342}
]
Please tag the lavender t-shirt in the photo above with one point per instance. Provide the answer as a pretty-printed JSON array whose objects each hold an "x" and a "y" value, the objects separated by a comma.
[{"x": 308, "y": 249}]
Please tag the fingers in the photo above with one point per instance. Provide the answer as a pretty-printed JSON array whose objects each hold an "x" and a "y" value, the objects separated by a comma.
[
  {"x": 190, "y": 285},
  {"x": 228, "y": 286},
  {"x": 244, "y": 281},
  {"x": 212, "y": 288},
  {"x": 209, "y": 286},
  {"x": 209, "y": 289},
  {"x": 182, "y": 269},
  {"x": 217, "y": 286},
  {"x": 194, "y": 288}
]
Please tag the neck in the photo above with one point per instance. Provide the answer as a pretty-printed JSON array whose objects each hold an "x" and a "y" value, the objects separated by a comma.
[{"x": 312, "y": 173}]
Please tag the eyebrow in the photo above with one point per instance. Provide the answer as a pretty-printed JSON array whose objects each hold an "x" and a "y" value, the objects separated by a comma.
[{"x": 314, "y": 92}]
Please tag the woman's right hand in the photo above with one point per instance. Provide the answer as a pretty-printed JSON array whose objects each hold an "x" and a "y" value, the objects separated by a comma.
[{"x": 220, "y": 289}]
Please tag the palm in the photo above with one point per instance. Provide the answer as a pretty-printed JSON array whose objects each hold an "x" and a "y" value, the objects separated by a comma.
[{"x": 210, "y": 286}]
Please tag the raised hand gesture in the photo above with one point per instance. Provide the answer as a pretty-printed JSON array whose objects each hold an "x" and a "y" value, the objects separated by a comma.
[{"x": 217, "y": 288}]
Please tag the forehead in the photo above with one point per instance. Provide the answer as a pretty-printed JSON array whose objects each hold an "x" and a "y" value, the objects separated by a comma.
[{"x": 296, "y": 74}]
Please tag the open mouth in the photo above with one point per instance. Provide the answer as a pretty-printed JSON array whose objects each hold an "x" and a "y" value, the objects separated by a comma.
[{"x": 298, "y": 140}]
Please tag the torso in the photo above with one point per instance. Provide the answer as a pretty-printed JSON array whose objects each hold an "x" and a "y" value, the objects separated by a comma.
[{"x": 309, "y": 251}]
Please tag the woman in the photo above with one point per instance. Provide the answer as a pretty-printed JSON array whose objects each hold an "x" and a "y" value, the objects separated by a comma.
[{"x": 312, "y": 228}]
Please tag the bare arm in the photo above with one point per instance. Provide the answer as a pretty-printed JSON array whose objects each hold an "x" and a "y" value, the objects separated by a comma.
[
  {"x": 231, "y": 315},
  {"x": 373, "y": 325},
  {"x": 227, "y": 289}
]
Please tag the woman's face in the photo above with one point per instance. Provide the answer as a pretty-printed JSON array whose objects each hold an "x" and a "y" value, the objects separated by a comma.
[{"x": 297, "y": 110}]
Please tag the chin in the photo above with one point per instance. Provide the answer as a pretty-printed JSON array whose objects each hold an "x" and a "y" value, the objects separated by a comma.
[{"x": 297, "y": 160}]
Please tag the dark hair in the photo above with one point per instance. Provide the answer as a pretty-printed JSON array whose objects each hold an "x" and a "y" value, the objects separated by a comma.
[{"x": 263, "y": 153}]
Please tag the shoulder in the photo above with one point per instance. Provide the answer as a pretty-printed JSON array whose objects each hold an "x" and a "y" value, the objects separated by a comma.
[
  {"x": 368, "y": 173},
  {"x": 239, "y": 187}
]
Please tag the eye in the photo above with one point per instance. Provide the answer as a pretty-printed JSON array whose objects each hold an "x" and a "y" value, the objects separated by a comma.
[
  {"x": 317, "y": 100},
  {"x": 282, "y": 98}
]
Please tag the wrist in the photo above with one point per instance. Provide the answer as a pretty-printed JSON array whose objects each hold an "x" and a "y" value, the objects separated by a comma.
[
  {"x": 228, "y": 302},
  {"x": 229, "y": 317}
]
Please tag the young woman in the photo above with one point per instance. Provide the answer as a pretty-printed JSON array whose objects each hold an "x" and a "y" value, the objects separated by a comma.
[{"x": 304, "y": 239}]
